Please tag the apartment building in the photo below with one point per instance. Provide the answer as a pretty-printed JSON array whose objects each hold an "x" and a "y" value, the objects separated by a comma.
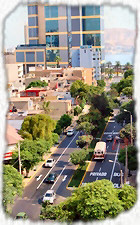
[{"x": 60, "y": 31}]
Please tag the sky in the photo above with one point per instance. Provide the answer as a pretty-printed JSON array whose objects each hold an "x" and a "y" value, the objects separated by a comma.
[{"x": 114, "y": 17}]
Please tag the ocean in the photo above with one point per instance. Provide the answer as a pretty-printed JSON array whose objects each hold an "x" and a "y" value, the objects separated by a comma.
[{"x": 123, "y": 58}]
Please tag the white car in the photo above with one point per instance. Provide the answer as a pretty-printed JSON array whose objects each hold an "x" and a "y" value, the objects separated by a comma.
[
  {"x": 70, "y": 132},
  {"x": 50, "y": 196},
  {"x": 49, "y": 163}
]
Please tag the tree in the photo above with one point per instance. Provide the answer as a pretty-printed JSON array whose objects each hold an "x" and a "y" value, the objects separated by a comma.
[
  {"x": 31, "y": 153},
  {"x": 126, "y": 82},
  {"x": 58, "y": 59},
  {"x": 93, "y": 201},
  {"x": 78, "y": 157},
  {"x": 127, "y": 195},
  {"x": 46, "y": 107},
  {"x": 38, "y": 126},
  {"x": 101, "y": 83},
  {"x": 37, "y": 83},
  {"x": 132, "y": 157},
  {"x": 86, "y": 127},
  {"x": 79, "y": 90},
  {"x": 126, "y": 132},
  {"x": 84, "y": 141},
  {"x": 128, "y": 73},
  {"x": 65, "y": 121},
  {"x": 12, "y": 185},
  {"x": 55, "y": 138},
  {"x": 128, "y": 91},
  {"x": 128, "y": 66},
  {"x": 77, "y": 110},
  {"x": 125, "y": 116},
  {"x": 58, "y": 129},
  {"x": 117, "y": 66}
]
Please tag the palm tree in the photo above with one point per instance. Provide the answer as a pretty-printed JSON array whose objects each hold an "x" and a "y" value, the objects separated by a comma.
[
  {"x": 46, "y": 107},
  {"x": 57, "y": 59},
  {"x": 127, "y": 66},
  {"x": 117, "y": 66},
  {"x": 109, "y": 64}
]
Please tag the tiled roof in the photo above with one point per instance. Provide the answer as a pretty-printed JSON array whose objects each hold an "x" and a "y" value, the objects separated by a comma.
[{"x": 12, "y": 136}]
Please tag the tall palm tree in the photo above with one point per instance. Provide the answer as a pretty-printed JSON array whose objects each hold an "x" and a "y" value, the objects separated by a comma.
[
  {"x": 58, "y": 59},
  {"x": 117, "y": 66},
  {"x": 109, "y": 64}
]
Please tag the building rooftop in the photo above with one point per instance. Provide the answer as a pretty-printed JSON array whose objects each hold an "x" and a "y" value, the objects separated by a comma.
[{"x": 12, "y": 136}]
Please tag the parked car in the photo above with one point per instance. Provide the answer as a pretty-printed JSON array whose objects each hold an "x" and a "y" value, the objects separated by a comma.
[
  {"x": 21, "y": 215},
  {"x": 109, "y": 137},
  {"x": 49, "y": 163},
  {"x": 70, "y": 132},
  {"x": 51, "y": 178},
  {"x": 50, "y": 196}
]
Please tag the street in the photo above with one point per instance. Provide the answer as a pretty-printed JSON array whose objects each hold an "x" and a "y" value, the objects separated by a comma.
[{"x": 34, "y": 191}]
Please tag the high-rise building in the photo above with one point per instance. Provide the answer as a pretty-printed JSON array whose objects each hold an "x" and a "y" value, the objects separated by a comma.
[{"x": 60, "y": 31}]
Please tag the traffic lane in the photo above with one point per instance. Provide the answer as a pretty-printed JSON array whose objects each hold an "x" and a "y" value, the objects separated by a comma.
[
  {"x": 30, "y": 189},
  {"x": 42, "y": 187}
]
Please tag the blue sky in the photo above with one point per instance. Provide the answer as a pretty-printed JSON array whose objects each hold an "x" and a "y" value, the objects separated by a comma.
[{"x": 114, "y": 17}]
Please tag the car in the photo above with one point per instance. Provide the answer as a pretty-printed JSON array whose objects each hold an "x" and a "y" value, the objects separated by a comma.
[
  {"x": 51, "y": 178},
  {"x": 109, "y": 137},
  {"x": 49, "y": 163},
  {"x": 50, "y": 196},
  {"x": 21, "y": 215},
  {"x": 70, "y": 132}
]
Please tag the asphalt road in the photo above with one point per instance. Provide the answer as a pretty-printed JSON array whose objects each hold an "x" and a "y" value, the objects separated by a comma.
[
  {"x": 104, "y": 169},
  {"x": 33, "y": 193}
]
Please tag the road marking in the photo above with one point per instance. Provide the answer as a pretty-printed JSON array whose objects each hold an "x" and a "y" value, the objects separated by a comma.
[
  {"x": 100, "y": 169},
  {"x": 57, "y": 160},
  {"x": 95, "y": 174},
  {"x": 111, "y": 132},
  {"x": 116, "y": 185},
  {"x": 107, "y": 146},
  {"x": 117, "y": 174},
  {"x": 114, "y": 162},
  {"x": 64, "y": 177},
  {"x": 58, "y": 178},
  {"x": 114, "y": 126},
  {"x": 97, "y": 178},
  {"x": 38, "y": 178}
]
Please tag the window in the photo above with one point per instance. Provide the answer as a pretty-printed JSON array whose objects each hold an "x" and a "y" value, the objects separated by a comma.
[
  {"x": 94, "y": 58},
  {"x": 33, "y": 21},
  {"x": 33, "y": 9},
  {"x": 51, "y": 11},
  {"x": 84, "y": 51},
  {"x": 19, "y": 56},
  {"x": 33, "y": 42},
  {"x": 33, "y": 32},
  {"x": 51, "y": 55},
  {"x": 40, "y": 56},
  {"x": 91, "y": 24},
  {"x": 90, "y": 10},
  {"x": 52, "y": 40},
  {"x": 92, "y": 39},
  {"x": 52, "y": 26},
  {"x": 30, "y": 57}
]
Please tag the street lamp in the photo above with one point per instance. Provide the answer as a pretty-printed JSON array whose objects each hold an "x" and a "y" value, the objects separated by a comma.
[
  {"x": 130, "y": 125},
  {"x": 120, "y": 171}
]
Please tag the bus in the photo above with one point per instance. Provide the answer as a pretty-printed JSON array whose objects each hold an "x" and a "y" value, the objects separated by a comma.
[{"x": 100, "y": 150}]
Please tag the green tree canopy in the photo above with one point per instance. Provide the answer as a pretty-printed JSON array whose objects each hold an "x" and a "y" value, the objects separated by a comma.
[
  {"x": 86, "y": 127},
  {"x": 12, "y": 185},
  {"x": 79, "y": 90},
  {"x": 128, "y": 73},
  {"x": 37, "y": 126},
  {"x": 77, "y": 110},
  {"x": 31, "y": 153},
  {"x": 58, "y": 59},
  {"x": 84, "y": 140},
  {"x": 37, "y": 83},
  {"x": 94, "y": 201},
  {"x": 46, "y": 107},
  {"x": 128, "y": 82},
  {"x": 65, "y": 121},
  {"x": 126, "y": 132},
  {"x": 128, "y": 91},
  {"x": 125, "y": 116},
  {"x": 101, "y": 83},
  {"x": 78, "y": 157},
  {"x": 132, "y": 157}
]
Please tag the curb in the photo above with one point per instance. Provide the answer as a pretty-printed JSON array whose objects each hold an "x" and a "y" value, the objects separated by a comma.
[
  {"x": 48, "y": 156},
  {"x": 71, "y": 188}
]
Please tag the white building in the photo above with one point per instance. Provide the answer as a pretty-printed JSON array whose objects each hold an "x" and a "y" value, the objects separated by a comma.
[{"x": 88, "y": 57}]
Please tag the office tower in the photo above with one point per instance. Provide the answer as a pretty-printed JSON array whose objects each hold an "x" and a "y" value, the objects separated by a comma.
[{"x": 60, "y": 31}]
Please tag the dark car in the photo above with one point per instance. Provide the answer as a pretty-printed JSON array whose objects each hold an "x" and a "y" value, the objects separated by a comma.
[
  {"x": 51, "y": 178},
  {"x": 109, "y": 137}
]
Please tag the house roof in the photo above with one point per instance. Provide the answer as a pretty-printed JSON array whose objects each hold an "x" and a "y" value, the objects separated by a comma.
[{"x": 12, "y": 136}]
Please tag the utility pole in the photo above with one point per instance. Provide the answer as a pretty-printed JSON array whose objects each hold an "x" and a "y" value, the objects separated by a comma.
[
  {"x": 131, "y": 128},
  {"x": 121, "y": 178},
  {"x": 126, "y": 165},
  {"x": 19, "y": 157}
]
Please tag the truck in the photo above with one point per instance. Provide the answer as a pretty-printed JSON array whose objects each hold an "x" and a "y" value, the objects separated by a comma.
[{"x": 100, "y": 150}]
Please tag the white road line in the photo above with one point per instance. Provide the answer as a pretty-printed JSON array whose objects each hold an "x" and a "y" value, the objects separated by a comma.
[
  {"x": 114, "y": 162},
  {"x": 64, "y": 177},
  {"x": 107, "y": 146},
  {"x": 100, "y": 169},
  {"x": 97, "y": 178},
  {"x": 114, "y": 126},
  {"x": 57, "y": 160},
  {"x": 58, "y": 178}
]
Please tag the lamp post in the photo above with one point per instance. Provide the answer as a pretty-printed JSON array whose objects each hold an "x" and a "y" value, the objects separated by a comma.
[
  {"x": 130, "y": 125},
  {"x": 120, "y": 171}
]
